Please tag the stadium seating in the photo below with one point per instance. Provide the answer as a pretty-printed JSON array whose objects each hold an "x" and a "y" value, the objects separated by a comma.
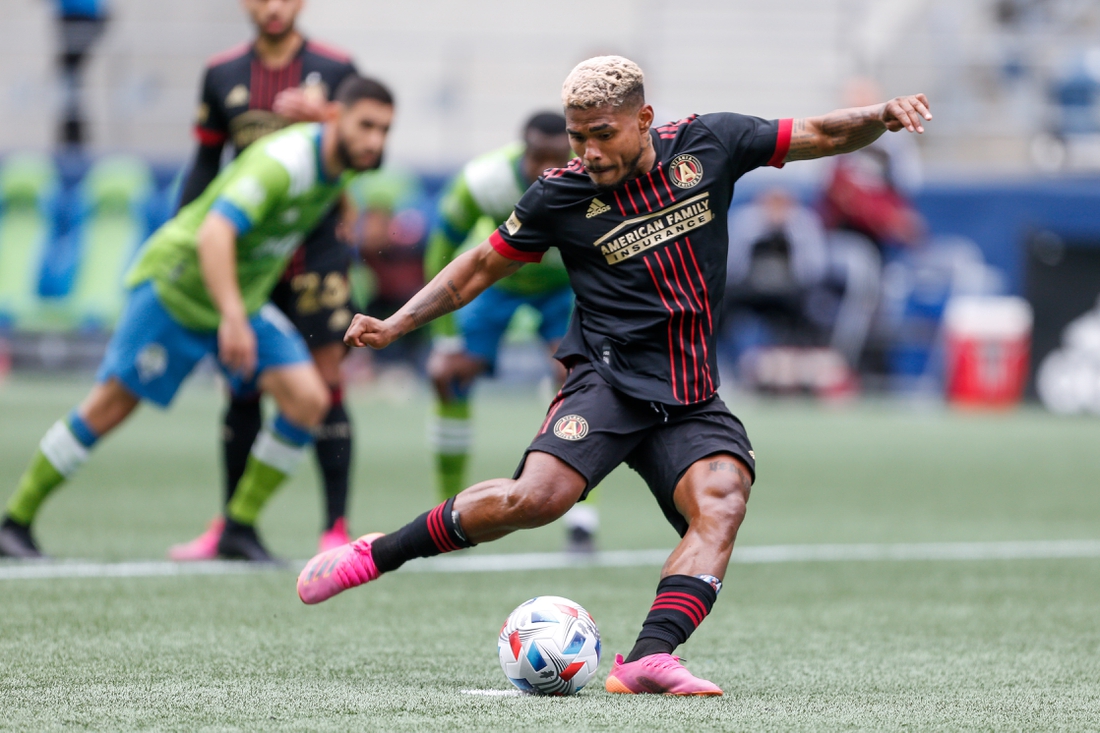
[{"x": 28, "y": 191}]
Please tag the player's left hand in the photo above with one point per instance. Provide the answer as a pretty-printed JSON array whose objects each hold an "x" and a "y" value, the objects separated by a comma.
[
  {"x": 367, "y": 331},
  {"x": 906, "y": 113},
  {"x": 298, "y": 105}
]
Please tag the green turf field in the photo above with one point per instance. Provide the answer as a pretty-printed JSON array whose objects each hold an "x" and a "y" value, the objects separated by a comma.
[{"x": 916, "y": 645}]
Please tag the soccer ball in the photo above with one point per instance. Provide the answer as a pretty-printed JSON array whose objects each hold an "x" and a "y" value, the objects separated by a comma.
[{"x": 549, "y": 646}]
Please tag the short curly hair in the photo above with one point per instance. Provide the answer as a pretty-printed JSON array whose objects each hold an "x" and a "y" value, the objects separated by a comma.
[{"x": 603, "y": 81}]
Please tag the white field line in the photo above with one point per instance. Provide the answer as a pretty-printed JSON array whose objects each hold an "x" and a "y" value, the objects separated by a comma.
[{"x": 474, "y": 563}]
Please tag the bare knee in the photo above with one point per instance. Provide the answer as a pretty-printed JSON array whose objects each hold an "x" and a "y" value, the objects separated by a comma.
[
  {"x": 544, "y": 492},
  {"x": 302, "y": 396},
  {"x": 715, "y": 492}
]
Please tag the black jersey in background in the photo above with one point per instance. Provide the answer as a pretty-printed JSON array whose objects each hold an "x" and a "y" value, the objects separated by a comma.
[
  {"x": 647, "y": 260},
  {"x": 238, "y": 91}
]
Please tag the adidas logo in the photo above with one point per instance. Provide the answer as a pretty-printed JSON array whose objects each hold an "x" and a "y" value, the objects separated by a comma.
[{"x": 596, "y": 208}]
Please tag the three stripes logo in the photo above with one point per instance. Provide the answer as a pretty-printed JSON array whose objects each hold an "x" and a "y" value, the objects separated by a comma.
[{"x": 596, "y": 208}]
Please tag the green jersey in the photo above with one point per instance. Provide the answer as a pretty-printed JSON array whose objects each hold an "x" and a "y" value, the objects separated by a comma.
[
  {"x": 275, "y": 193},
  {"x": 488, "y": 188}
]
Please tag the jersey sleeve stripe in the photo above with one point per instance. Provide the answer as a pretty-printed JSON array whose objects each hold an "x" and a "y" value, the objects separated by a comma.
[
  {"x": 209, "y": 137},
  {"x": 230, "y": 54},
  {"x": 330, "y": 52},
  {"x": 782, "y": 143},
  {"x": 230, "y": 211},
  {"x": 506, "y": 250}
]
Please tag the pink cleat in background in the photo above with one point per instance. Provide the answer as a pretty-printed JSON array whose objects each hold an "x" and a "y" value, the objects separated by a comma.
[
  {"x": 203, "y": 547},
  {"x": 335, "y": 537}
]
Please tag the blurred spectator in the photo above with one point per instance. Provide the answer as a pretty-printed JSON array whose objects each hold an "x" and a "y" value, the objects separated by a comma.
[
  {"x": 869, "y": 190},
  {"x": 390, "y": 235},
  {"x": 799, "y": 302},
  {"x": 80, "y": 23}
]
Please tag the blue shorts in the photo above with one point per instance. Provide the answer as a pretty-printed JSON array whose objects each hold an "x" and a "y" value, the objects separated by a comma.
[
  {"x": 484, "y": 321},
  {"x": 151, "y": 353}
]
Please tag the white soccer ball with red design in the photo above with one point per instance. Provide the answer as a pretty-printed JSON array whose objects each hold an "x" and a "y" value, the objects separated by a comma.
[{"x": 549, "y": 646}]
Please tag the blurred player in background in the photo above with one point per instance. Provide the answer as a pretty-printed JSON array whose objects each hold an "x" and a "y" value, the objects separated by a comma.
[
  {"x": 648, "y": 270},
  {"x": 465, "y": 344},
  {"x": 200, "y": 286},
  {"x": 248, "y": 92}
]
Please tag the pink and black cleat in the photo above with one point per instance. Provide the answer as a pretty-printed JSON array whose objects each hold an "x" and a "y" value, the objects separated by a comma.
[
  {"x": 203, "y": 547},
  {"x": 656, "y": 674},
  {"x": 335, "y": 537},
  {"x": 337, "y": 570}
]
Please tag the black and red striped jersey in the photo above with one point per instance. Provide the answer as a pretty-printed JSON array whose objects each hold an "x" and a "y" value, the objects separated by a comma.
[
  {"x": 238, "y": 91},
  {"x": 647, "y": 260}
]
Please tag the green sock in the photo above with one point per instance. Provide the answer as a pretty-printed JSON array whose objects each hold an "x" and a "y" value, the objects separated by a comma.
[
  {"x": 256, "y": 486},
  {"x": 450, "y": 438},
  {"x": 37, "y": 482},
  {"x": 276, "y": 452},
  {"x": 59, "y": 454}
]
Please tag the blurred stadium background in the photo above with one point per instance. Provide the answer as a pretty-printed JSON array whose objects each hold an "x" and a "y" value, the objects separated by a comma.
[{"x": 964, "y": 268}]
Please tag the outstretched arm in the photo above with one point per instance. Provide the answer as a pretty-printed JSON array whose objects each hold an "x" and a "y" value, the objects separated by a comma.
[
  {"x": 850, "y": 129},
  {"x": 456, "y": 285}
]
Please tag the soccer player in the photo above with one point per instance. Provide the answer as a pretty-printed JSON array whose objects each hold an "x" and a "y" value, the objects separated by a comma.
[
  {"x": 200, "y": 286},
  {"x": 465, "y": 343},
  {"x": 648, "y": 273},
  {"x": 250, "y": 91}
]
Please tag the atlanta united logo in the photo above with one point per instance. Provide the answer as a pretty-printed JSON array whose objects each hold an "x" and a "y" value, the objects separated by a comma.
[
  {"x": 571, "y": 427},
  {"x": 686, "y": 171}
]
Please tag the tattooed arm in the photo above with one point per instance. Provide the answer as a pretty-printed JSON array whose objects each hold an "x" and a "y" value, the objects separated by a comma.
[
  {"x": 846, "y": 130},
  {"x": 456, "y": 285}
]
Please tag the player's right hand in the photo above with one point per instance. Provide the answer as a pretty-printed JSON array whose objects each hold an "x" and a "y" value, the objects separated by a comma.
[
  {"x": 367, "y": 331},
  {"x": 237, "y": 346}
]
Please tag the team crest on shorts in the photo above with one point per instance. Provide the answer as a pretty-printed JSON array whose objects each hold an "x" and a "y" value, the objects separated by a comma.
[
  {"x": 151, "y": 362},
  {"x": 571, "y": 427},
  {"x": 686, "y": 171}
]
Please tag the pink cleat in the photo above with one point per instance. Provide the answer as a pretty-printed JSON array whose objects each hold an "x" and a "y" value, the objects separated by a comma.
[
  {"x": 335, "y": 537},
  {"x": 337, "y": 570},
  {"x": 657, "y": 674},
  {"x": 203, "y": 547}
]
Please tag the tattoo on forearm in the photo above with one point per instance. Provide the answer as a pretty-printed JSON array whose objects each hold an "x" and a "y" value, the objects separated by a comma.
[
  {"x": 439, "y": 302},
  {"x": 837, "y": 132}
]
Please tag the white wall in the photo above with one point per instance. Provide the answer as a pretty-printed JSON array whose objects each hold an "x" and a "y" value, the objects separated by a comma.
[{"x": 467, "y": 73}]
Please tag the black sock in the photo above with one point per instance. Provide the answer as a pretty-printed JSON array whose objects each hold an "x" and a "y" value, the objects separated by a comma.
[
  {"x": 683, "y": 601},
  {"x": 333, "y": 447},
  {"x": 432, "y": 533},
  {"x": 242, "y": 424}
]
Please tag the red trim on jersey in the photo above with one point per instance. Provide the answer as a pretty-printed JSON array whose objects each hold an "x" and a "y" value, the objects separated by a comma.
[
  {"x": 230, "y": 54},
  {"x": 699, "y": 309},
  {"x": 506, "y": 250},
  {"x": 691, "y": 329},
  {"x": 683, "y": 351},
  {"x": 627, "y": 189},
  {"x": 619, "y": 202},
  {"x": 671, "y": 360},
  {"x": 654, "y": 187},
  {"x": 782, "y": 143},
  {"x": 322, "y": 49},
  {"x": 208, "y": 137},
  {"x": 664, "y": 179},
  {"x": 642, "y": 194},
  {"x": 266, "y": 83}
]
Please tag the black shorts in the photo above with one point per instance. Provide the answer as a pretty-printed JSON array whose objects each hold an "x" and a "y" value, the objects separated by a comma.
[
  {"x": 593, "y": 427},
  {"x": 314, "y": 293}
]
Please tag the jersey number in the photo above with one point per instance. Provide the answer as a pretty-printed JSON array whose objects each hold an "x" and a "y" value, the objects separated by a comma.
[{"x": 313, "y": 294}]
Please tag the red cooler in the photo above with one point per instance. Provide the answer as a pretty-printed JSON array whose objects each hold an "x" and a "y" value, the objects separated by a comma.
[{"x": 988, "y": 341}]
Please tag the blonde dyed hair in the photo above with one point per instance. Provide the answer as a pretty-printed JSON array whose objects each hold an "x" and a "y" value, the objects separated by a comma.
[{"x": 602, "y": 81}]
